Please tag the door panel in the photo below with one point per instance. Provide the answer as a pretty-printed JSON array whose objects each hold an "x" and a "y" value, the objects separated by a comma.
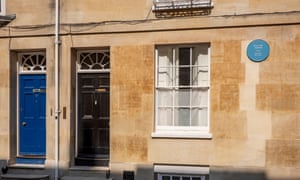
[
  {"x": 93, "y": 115},
  {"x": 32, "y": 121}
]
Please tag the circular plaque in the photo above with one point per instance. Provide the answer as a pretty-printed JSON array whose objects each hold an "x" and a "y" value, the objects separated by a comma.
[{"x": 258, "y": 50}]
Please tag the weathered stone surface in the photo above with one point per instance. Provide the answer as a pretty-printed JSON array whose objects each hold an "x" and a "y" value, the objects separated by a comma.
[
  {"x": 227, "y": 73},
  {"x": 285, "y": 125},
  {"x": 132, "y": 82},
  {"x": 278, "y": 97},
  {"x": 240, "y": 152},
  {"x": 232, "y": 51},
  {"x": 228, "y": 125},
  {"x": 229, "y": 98},
  {"x": 217, "y": 52},
  {"x": 233, "y": 173},
  {"x": 283, "y": 153},
  {"x": 259, "y": 125},
  {"x": 129, "y": 149},
  {"x": 254, "y": 107},
  {"x": 179, "y": 150}
]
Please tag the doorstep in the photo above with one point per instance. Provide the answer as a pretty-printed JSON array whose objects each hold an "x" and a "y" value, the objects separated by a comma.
[
  {"x": 24, "y": 176},
  {"x": 84, "y": 178}
]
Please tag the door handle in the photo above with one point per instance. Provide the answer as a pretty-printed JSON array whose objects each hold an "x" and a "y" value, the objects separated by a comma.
[{"x": 24, "y": 123}]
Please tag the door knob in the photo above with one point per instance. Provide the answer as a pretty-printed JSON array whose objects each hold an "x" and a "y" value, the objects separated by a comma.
[{"x": 24, "y": 123}]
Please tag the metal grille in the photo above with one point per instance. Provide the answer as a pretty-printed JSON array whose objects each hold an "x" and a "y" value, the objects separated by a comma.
[
  {"x": 91, "y": 61},
  {"x": 181, "y": 4},
  {"x": 32, "y": 62},
  {"x": 165, "y": 8},
  {"x": 181, "y": 177}
]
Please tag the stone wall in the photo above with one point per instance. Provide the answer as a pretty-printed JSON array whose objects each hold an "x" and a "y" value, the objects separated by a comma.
[{"x": 254, "y": 107}]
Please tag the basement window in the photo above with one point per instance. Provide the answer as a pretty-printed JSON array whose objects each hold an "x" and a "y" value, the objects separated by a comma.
[
  {"x": 180, "y": 177},
  {"x": 170, "y": 172}
]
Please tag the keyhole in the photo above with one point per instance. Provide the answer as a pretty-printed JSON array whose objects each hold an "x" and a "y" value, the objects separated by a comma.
[
  {"x": 95, "y": 98},
  {"x": 24, "y": 123}
]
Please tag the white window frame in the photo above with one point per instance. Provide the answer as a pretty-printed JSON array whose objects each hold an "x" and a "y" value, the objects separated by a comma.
[
  {"x": 181, "y": 131},
  {"x": 2, "y": 8}
]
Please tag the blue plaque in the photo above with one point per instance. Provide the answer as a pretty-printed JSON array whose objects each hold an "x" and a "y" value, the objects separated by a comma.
[{"x": 258, "y": 50}]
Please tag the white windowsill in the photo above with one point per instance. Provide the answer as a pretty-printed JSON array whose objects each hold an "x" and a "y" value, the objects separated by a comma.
[{"x": 187, "y": 135}]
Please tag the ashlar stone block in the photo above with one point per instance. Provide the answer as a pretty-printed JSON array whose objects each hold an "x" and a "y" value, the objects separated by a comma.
[{"x": 283, "y": 153}]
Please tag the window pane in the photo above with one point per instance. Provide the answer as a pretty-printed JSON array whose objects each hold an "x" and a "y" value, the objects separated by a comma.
[
  {"x": 165, "y": 56},
  {"x": 165, "y": 61},
  {"x": 186, "y": 178},
  {"x": 204, "y": 117},
  {"x": 195, "y": 117},
  {"x": 200, "y": 97},
  {"x": 165, "y": 97},
  {"x": 200, "y": 55},
  {"x": 183, "y": 76},
  {"x": 166, "y": 178},
  {"x": 196, "y": 178},
  {"x": 176, "y": 178},
  {"x": 200, "y": 65},
  {"x": 184, "y": 56},
  {"x": 183, "y": 71},
  {"x": 165, "y": 117},
  {"x": 200, "y": 75},
  {"x": 199, "y": 117},
  {"x": 182, "y": 117},
  {"x": 164, "y": 77},
  {"x": 182, "y": 97},
  {"x": 196, "y": 97}
]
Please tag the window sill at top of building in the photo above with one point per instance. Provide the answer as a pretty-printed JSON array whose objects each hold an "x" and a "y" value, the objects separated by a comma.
[
  {"x": 4, "y": 20},
  {"x": 182, "y": 135}
]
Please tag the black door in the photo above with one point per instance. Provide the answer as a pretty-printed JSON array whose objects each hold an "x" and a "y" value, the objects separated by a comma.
[{"x": 93, "y": 119}]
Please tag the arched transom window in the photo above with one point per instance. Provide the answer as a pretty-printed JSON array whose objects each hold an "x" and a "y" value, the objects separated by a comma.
[
  {"x": 89, "y": 61},
  {"x": 32, "y": 62}
]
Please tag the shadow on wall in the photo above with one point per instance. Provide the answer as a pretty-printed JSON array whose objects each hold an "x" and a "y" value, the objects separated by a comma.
[
  {"x": 242, "y": 174},
  {"x": 144, "y": 172},
  {"x": 139, "y": 172},
  {"x": 15, "y": 173},
  {"x": 135, "y": 172},
  {"x": 238, "y": 174}
]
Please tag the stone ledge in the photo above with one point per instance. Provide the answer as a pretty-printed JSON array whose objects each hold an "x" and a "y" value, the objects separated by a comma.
[
  {"x": 23, "y": 176},
  {"x": 4, "y": 20},
  {"x": 26, "y": 166},
  {"x": 89, "y": 168},
  {"x": 85, "y": 178}
]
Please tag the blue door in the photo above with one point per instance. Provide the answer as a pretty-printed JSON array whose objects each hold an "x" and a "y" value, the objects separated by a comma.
[{"x": 32, "y": 121}]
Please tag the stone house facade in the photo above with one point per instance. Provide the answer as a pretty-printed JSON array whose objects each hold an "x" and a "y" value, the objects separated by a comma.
[{"x": 150, "y": 89}]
